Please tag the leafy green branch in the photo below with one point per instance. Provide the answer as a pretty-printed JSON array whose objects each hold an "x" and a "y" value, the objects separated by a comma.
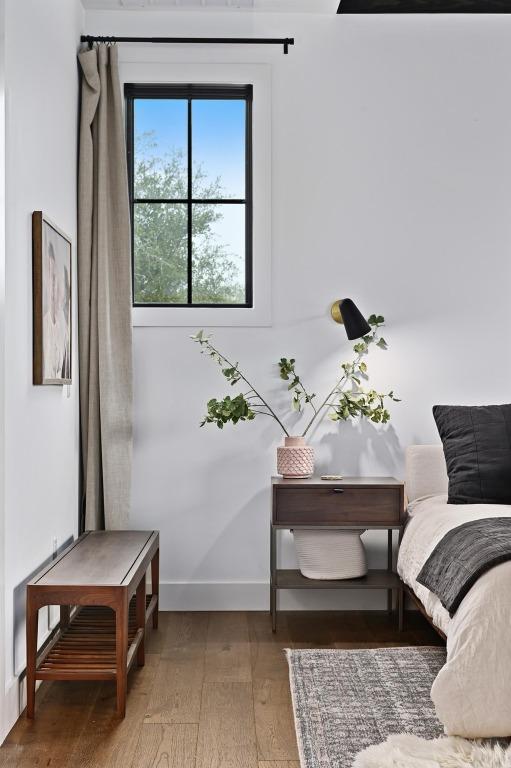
[
  {"x": 347, "y": 399},
  {"x": 357, "y": 402},
  {"x": 300, "y": 394},
  {"x": 235, "y": 409},
  {"x": 245, "y": 406}
]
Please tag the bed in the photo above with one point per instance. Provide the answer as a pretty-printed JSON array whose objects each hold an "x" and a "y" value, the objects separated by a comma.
[{"x": 472, "y": 692}]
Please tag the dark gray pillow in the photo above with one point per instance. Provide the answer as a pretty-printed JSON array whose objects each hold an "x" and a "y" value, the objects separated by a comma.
[{"x": 477, "y": 448}]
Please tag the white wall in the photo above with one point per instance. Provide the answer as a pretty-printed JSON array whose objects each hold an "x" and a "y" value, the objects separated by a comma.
[
  {"x": 392, "y": 185},
  {"x": 41, "y": 423},
  {"x": 3, "y": 719}
]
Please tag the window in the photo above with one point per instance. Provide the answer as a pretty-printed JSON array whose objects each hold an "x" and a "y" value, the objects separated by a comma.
[{"x": 190, "y": 178}]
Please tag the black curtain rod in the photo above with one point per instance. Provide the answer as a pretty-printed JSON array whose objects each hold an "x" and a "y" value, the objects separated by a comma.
[{"x": 284, "y": 41}]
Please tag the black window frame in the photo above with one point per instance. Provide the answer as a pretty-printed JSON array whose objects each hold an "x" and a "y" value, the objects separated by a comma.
[{"x": 189, "y": 92}]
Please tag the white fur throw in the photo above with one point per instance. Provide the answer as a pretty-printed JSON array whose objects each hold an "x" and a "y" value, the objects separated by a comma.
[{"x": 405, "y": 751}]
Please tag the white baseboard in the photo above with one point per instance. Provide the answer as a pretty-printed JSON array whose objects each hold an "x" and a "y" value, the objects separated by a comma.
[
  {"x": 14, "y": 702},
  {"x": 255, "y": 596},
  {"x": 10, "y": 707},
  {"x": 15, "y": 697}
]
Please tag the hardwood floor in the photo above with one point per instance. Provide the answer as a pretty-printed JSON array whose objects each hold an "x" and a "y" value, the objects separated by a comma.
[{"x": 214, "y": 693}]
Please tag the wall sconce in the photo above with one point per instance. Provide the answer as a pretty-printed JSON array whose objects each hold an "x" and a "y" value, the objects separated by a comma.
[{"x": 345, "y": 312}]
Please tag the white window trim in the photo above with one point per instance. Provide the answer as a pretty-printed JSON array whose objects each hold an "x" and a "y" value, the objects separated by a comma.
[{"x": 259, "y": 75}]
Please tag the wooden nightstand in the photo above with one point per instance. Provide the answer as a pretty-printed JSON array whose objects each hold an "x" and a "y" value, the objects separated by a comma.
[{"x": 356, "y": 503}]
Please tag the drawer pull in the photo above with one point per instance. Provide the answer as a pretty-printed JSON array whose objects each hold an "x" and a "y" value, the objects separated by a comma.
[{"x": 338, "y": 490}]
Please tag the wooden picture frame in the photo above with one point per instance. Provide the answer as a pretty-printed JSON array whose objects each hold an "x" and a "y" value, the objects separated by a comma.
[{"x": 52, "y": 302}]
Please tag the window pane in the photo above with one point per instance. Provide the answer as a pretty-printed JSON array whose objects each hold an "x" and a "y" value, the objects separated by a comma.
[
  {"x": 218, "y": 148},
  {"x": 160, "y": 253},
  {"x": 161, "y": 158},
  {"x": 218, "y": 254}
]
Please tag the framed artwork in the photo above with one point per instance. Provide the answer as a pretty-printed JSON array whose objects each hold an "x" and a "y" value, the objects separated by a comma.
[{"x": 51, "y": 269}]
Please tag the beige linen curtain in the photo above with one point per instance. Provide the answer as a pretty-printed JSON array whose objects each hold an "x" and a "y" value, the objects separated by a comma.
[{"x": 104, "y": 294}]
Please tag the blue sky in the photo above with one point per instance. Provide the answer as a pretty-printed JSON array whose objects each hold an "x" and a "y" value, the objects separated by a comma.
[{"x": 218, "y": 147}]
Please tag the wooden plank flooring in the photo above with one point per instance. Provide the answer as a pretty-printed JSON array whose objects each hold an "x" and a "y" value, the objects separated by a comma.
[{"x": 214, "y": 693}]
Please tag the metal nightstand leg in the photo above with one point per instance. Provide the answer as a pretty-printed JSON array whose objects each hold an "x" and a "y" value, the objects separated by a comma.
[
  {"x": 401, "y": 593},
  {"x": 273, "y": 576},
  {"x": 389, "y": 568}
]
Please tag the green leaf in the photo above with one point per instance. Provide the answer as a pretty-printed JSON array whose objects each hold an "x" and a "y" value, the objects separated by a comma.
[
  {"x": 375, "y": 320},
  {"x": 286, "y": 368},
  {"x": 229, "y": 409}
]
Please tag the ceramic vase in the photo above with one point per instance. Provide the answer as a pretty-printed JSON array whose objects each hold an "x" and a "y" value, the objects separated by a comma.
[{"x": 295, "y": 459}]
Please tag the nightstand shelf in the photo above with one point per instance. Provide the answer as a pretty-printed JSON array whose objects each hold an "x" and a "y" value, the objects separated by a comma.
[
  {"x": 354, "y": 503},
  {"x": 375, "y": 579}
]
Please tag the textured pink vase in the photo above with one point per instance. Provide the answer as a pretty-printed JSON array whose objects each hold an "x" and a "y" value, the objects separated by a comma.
[{"x": 295, "y": 459}]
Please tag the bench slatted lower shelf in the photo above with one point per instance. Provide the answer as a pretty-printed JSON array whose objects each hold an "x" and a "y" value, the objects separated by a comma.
[{"x": 86, "y": 648}]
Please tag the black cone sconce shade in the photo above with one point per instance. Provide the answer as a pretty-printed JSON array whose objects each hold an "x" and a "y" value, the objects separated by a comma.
[{"x": 346, "y": 312}]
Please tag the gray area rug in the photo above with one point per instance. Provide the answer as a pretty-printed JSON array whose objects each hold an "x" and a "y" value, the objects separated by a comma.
[{"x": 345, "y": 701}]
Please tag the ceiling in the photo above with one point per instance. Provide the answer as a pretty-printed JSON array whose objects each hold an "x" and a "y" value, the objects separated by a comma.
[
  {"x": 278, "y": 6},
  {"x": 307, "y": 6}
]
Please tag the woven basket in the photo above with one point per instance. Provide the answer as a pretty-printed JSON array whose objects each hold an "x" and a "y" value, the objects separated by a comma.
[{"x": 330, "y": 554}]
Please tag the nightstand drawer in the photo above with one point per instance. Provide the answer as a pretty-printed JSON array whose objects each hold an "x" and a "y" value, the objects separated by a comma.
[{"x": 336, "y": 505}]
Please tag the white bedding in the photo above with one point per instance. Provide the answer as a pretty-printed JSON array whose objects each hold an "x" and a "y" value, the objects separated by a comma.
[{"x": 472, "y": 692}]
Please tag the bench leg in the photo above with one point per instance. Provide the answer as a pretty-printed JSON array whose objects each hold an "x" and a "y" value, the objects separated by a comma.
[
  {"x": 32, "y": 623},
  {"x": 155, "y": 585},
  {"x": 121, "y": 653},
  {"x": 141, "y": 609}
]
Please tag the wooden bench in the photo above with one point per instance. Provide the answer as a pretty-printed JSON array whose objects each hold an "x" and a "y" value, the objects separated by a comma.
[{"x": 102, "y": 578}]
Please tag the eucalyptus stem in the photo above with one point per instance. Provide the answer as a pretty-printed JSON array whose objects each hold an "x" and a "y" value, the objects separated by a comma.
[
  {"x": 252, "y": 388},
  {"x": 308, "y": 398},
  {"x": 325, "y": 402}
]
